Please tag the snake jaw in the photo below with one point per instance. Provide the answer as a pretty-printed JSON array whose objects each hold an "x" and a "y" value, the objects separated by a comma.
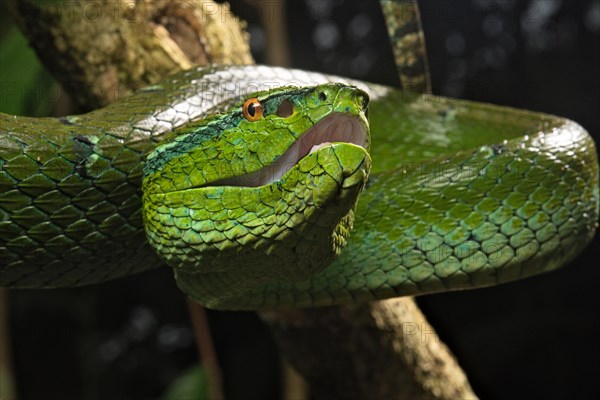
[{"x": 335, "y": 128}]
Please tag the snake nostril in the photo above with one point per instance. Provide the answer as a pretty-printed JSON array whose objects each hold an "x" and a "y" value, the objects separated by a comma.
[{"x": 362, "y": 101}]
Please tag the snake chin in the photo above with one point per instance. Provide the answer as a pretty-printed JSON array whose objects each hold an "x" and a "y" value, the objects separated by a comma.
[{"x": 335, "y": 128}]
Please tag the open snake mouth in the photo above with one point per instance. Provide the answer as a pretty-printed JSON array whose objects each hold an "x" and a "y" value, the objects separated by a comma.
[{"x": 334, "y": 128}]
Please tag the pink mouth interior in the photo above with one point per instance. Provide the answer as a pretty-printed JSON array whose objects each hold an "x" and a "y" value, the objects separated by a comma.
[{"x": 334, "y": 128}]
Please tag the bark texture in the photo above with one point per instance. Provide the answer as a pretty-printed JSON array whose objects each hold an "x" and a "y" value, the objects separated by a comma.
[
  {"x": 378, "y": 350},
  {"x": 102, "y": 50}
]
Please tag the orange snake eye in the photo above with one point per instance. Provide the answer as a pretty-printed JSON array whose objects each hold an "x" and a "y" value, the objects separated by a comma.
[{"x": 252, "y": 109}]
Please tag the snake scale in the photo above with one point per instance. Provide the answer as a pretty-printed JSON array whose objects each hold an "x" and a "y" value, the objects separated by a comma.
[{"x": 460, "y": 194}]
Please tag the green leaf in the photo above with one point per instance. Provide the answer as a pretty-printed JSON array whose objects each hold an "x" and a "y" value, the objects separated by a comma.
[
  {"x": 192, "y": 384},
  {"x": 25, "y": 87}
]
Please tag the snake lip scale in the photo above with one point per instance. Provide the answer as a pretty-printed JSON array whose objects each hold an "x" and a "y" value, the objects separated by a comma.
[{"x": 334, "y": 128}]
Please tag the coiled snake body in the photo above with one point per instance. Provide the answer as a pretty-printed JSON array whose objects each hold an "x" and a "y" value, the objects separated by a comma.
[{"x": 255, "y": 199}]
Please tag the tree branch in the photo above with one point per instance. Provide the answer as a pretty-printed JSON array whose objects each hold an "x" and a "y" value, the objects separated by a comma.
[
  {"x": 102, "y": 50},
  {"x": 378, "y": 350}
]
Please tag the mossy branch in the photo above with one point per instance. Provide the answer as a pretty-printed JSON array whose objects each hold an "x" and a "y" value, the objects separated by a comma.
[{"x": 102, "y": 50}]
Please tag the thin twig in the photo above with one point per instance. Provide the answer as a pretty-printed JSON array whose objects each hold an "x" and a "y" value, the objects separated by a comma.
[{"x": 206, "y": 349}]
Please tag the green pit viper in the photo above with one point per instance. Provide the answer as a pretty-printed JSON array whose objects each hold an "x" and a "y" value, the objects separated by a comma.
[
  {"x": 266, "y": 191},
  {"x": 253, "y": 183}
]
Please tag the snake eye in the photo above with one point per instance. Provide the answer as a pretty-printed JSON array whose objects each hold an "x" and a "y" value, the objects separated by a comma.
[{"x": 252, "y": 109}]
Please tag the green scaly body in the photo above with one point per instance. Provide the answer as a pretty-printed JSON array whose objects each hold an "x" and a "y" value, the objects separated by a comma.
[{"x": 460, "y": 195}]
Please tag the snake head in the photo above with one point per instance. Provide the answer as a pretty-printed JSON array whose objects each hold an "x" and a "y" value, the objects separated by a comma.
[{"x": 264, "y": 191}]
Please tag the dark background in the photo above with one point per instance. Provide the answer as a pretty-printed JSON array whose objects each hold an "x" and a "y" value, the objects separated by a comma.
[{"x": 533, "y": 338}]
